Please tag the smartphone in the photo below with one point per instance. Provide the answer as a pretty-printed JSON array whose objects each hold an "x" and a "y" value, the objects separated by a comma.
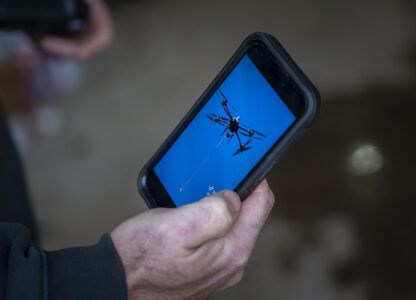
[
  {"x": 253, "y": 112},
  {"x": 59, "y": 17}
]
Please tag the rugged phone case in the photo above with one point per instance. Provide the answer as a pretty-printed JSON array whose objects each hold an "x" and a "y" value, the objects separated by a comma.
[{"x": 313, "y": 106}]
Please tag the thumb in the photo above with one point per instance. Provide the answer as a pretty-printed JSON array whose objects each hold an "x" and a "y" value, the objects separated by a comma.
[{"x": 208, "y": 219}]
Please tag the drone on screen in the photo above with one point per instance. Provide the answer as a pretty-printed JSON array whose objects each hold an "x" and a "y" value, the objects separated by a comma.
[{"x": 233, "y": 127}]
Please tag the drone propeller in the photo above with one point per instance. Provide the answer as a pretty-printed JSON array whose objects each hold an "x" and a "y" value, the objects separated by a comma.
[
  {"x": 244, "y": 126},
  {"x": 223, "y": 119},
  {"x": 227, "y": 101},
  {"x": 240, "y": 150},
  {"x": 218, "y": 119},
  {"x": 222, "y": 94},
  {"x": 251, "y": 136},
  {"x": 259, "y": 133},
  {"x": 232, "y": 106},
  {"x": 247, "y": 128}
]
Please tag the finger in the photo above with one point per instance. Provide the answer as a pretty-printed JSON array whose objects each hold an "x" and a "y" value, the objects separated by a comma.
[
  {"x": 59, "y": 46},
  {"x": 92, "y": 45},
  {"x": 207, "y": 219},
  {"x": 254, "y": 212},
  {"x": 99, "y": 33}
]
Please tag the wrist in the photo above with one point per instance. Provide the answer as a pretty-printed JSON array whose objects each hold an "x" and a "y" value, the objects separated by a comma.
[{"x": 132, "y": 256}]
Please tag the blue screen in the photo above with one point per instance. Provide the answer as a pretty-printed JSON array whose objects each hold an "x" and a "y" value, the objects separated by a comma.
[{"x": 226, "y": 139}]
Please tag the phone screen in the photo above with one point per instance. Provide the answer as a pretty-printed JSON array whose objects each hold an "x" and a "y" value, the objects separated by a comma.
[{"x": 236, "y": 127}]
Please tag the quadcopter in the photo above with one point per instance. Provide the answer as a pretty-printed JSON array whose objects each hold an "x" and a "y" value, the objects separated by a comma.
[{"x": 233, "y": 127}]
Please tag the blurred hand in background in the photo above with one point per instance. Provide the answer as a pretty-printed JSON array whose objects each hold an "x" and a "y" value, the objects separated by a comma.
[
  {"x": 192, "y": 251},
  {"x": 97, "y": 36}
]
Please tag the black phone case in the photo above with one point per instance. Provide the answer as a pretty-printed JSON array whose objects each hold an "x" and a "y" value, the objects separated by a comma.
[{"x": 313, "y": 107}]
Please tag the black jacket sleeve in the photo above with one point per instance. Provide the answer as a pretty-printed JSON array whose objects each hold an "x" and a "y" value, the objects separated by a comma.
[
  {"x": 15, "y": 204},
  {"x": 28, "y": 272}
]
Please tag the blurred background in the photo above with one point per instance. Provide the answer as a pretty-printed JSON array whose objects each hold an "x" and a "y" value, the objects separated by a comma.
[{"x": 343, "y": 226}]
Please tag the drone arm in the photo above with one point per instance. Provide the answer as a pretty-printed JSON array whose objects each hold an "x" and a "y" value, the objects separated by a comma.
[
  {"x": 227, "y": 111},
  {"x": 238, "y": 137},
  {"x": 249, "y": 131},
  {"x": 218, "y": 119},
  {"x": 239, "y": 127},
  {"x": 223, "y": 123},
  {"x": 229, "y": 140}
]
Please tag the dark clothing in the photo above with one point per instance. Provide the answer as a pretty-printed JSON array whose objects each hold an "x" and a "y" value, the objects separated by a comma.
[
  {"x": 27, "y": 271},
  {"x": 14, "y": 200}
]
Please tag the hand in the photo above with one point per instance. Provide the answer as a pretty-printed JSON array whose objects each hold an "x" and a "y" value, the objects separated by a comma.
[
  {"x": 192, "y": 251},
  {"x": 97, "y": 35}
]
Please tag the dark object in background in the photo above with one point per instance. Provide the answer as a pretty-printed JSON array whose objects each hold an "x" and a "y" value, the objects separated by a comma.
[{"x": 60, "y": 17}]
